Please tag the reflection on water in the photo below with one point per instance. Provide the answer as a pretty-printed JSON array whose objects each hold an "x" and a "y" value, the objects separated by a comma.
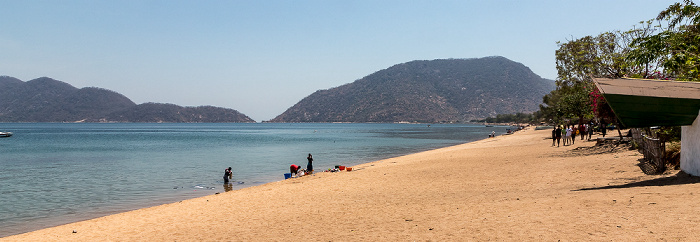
[{"x": 228, "y": 187}]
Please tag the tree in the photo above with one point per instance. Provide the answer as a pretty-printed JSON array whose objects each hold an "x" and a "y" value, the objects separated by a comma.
[
  {"x": 577, "y": 62},
  {"x": 580, "y": 60},
  {"x": 676, "y": 46}
]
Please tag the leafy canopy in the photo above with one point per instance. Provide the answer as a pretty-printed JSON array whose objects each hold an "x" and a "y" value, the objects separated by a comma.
[{"x": 668, "y": 50}]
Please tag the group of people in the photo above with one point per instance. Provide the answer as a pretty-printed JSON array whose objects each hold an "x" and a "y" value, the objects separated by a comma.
[
  {"x": 294, "y": 169},
  {"x": 298, "y": 171},
  {"x": 568, "y": 133}
]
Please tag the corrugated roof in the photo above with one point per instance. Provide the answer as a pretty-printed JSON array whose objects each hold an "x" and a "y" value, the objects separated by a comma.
[
  {"x": 645, "y": 103},
  {"x": 650, "y": 88}
]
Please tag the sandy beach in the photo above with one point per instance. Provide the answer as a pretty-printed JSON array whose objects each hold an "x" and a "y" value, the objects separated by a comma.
[{"x": 514, "y": 187}]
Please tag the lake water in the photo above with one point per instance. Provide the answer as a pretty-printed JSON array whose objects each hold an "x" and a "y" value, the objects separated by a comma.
[{"x": 52, "y": 174}]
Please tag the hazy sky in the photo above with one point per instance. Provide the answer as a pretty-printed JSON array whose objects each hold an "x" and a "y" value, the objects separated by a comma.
[{"x": 261, "y": 57}]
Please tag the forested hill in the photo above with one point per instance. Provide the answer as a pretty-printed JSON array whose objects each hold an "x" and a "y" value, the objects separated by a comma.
[
  {"x": 428, "y": 91},
  {"x": 48, "y": 100}
]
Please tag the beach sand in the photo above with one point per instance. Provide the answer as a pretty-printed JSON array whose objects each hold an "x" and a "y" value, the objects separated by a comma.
[{"x": 514, "y": 187}]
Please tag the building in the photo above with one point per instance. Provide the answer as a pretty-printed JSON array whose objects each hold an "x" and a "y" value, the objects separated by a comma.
[{"x": 641, "y": 103}]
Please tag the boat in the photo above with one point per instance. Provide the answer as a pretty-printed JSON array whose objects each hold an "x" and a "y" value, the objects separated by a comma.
[{"x": 5, "y": 134}]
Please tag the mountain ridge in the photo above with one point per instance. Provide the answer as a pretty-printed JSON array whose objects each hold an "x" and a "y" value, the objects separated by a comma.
[
  {"x": 48, "y": 100},
  {"x": 443, "y": 90}
]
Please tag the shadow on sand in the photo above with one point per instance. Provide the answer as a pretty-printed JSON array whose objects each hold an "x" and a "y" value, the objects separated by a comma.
[{"x": 681, "y": 178}]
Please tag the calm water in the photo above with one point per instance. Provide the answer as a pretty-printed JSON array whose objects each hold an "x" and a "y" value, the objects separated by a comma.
[{"x": 52, "y": 174}]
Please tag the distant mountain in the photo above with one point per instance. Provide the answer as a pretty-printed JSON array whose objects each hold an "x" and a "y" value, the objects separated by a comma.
[
  {"x": 48, "y": 100},
  {"x": 159, "y": 112},
  {"x": 427, "y": 91}
]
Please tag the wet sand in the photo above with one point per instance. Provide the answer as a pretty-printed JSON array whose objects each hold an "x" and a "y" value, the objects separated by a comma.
[{"x": 514, "y": 187}]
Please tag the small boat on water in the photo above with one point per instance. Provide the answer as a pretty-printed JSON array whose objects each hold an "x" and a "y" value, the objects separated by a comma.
[{"x": 5, "y": 134}]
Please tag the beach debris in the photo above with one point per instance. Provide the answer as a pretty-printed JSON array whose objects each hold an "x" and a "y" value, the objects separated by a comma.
[{"x": 75, "y": 231}]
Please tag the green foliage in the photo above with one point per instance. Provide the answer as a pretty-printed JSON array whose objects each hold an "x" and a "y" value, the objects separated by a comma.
[
  {"x": 645, "y": 51},
  {"x": 676, "y": 47},
  {"x": 671, "y": 134},
  {"x": 577, "y": 62}
]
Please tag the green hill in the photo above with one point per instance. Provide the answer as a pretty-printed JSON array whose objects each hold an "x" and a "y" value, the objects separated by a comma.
[
  {"x": 427, "y": 91},
  {"x": 48, "y": 100}
]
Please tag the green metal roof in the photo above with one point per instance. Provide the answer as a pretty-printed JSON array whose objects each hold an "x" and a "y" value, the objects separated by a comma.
[{"x": 644, "y": 103}]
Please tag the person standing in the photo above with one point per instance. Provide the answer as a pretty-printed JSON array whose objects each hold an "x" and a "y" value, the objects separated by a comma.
[
  {"x": 310, "y": 165},
  {"x": 558, "y": 135},
  {"x": 574, "y": 131},
  {"x": 554, "y": 135},
  {"x": 603, "y": 128},
  {"x": 227, "y": 174},
  {"x": 590, "y": 130}
]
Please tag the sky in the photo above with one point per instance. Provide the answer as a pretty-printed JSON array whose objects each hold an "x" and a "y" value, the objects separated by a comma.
[{"x": 261, "y": 57}]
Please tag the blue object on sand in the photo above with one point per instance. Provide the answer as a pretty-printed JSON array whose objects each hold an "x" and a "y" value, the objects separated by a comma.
[{"x": 287, "y": 175}]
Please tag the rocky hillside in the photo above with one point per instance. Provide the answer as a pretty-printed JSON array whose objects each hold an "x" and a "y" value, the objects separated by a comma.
[
  {"x": 428, "y": 91},
  {"x": 48, "y": 100}
]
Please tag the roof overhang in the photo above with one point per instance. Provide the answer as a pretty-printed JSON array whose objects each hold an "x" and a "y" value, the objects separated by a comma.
[{"x": 645, "y": 103}]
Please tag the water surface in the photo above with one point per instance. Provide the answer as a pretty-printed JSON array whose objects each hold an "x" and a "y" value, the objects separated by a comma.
[{"x": 54, "y": 174}]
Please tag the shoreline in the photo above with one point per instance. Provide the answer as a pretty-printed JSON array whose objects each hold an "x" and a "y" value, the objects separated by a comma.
[
  {"x": 506, "y": 188},
  {"x": 48, "y": 213},
  {"x": 111, "y": 208}
]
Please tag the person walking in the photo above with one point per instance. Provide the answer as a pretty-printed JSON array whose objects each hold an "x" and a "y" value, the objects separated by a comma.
[{"x": 590, "y": 130}]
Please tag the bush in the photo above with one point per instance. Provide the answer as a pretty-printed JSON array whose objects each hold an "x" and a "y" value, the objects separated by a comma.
[{"x": 672, "y": 155}]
